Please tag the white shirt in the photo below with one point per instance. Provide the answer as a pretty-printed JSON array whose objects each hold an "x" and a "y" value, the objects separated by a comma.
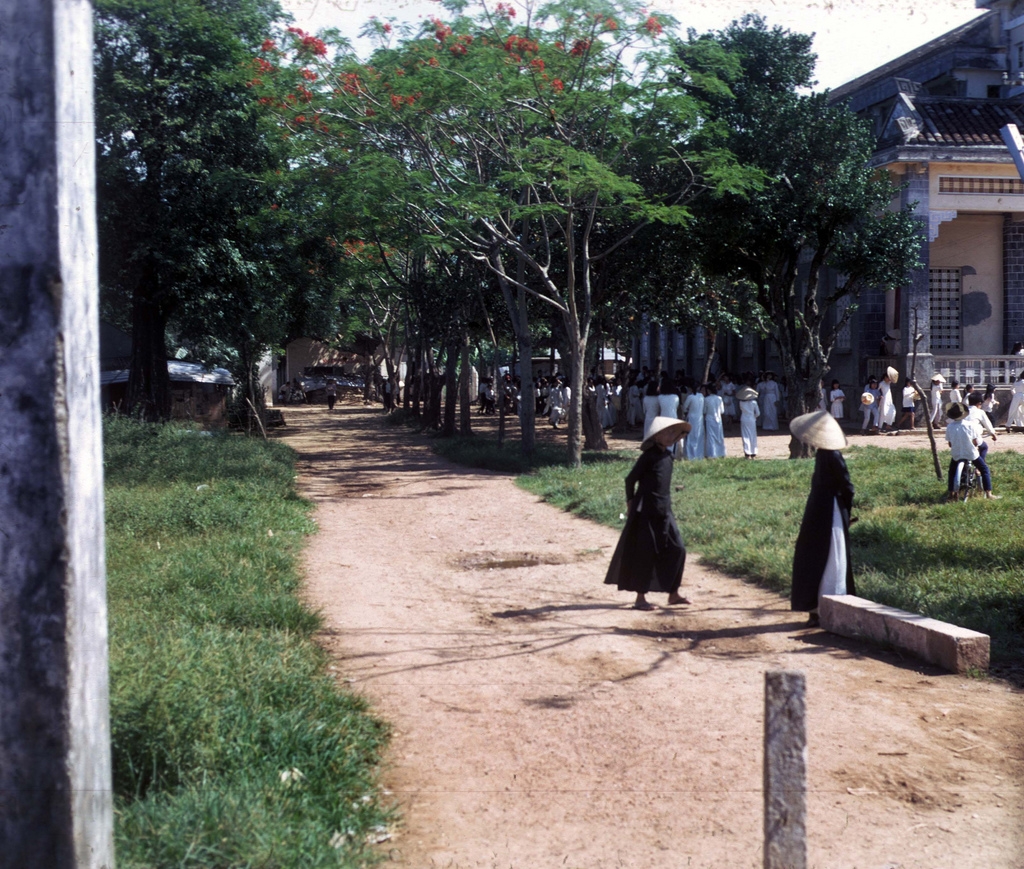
[
  {"x": 980, "y": 418},
  {"x": 961, "y": 434}
]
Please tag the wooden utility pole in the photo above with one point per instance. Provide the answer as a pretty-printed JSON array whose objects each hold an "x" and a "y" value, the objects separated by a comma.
[
  {"x": 785, "y": 771},
  {"x": 55, "y": 781}
]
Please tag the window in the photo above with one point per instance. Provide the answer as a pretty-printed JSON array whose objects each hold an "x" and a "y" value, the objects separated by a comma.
[
  {"x": 944, "y": 308},
  {"x": 748, "y": 345},
  {"x": 843, "y": 340},
  {"x": 700, "y": 342}
]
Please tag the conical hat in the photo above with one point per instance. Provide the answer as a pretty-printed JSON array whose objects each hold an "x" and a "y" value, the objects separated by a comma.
[
  {"x": 938, "y": 377},
  {"x": 818, "y": 429},
  {"x": 892, "y": 374},
  {"x": 661, "y": 423},
  {"x": 867, "y": 398},
  {"x": 745, "y": 393}
]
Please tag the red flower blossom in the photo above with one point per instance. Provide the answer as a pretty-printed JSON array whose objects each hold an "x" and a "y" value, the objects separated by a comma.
[
  {"x": 458, "y": 49},
  {"x": 432, "y": 61},
  {"x": 557, "y": 85},
  {"x": 653, "y": 26},
  {"x": 611, "y": 25},
  {"x": 350, "y": 83},
  {"x": 537, "y": 64},
  {"x": 386, "y": 28},
  {"x": 268, "y": 45},
  {"x": 370, "y": 113},
  {"x": 314, "y": 44},
  {"x": 309, "y": 75},
  {"x": 580, "y": 47}
]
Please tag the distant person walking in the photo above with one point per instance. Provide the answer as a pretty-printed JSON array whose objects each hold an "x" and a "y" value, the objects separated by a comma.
[
  {"x": 650, "y": 555},
  {"x": 746, "y": 396},
  {"x": 821, "y": 561}
]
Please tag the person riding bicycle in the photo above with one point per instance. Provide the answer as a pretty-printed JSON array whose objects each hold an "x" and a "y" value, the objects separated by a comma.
[{"x": 964, "y": 435}]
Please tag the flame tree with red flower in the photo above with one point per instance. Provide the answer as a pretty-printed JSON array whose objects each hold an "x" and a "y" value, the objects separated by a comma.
[{"x": 523, "y": 136}]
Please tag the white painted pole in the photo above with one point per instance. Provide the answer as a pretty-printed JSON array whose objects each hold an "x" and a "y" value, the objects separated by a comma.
[
  {"x": 55, "y": 778},
  {"x": 1011, "y": 136},
  {"x": 785, "y": 771}
]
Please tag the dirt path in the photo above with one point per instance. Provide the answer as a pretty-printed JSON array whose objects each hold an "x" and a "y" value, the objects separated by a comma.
[{"x": 541, "y": 723}]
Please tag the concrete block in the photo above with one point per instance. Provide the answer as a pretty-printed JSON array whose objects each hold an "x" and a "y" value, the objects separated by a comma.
[{"x": 953, "y": 648}]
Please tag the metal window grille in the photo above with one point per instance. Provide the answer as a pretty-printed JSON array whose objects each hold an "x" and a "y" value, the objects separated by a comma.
[
  {"x": 700, "y": 343},
  {"x": 994, "y": 186},
  {"x": 680, "y": 345},
  {"x": 944, "y": 308},
  {"x": 748, "y": 345}
]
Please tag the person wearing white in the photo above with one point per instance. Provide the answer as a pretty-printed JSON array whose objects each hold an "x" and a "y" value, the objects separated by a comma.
[
  {"x": 770, "y": 403},
  {"x": 558, "y": 404},
  {"x": 749, "y": 413},
  {"x": 836, "y": 397},
  {"x": 886, "y": 408},
  {"x": 965, "y": 439},
  {"x": 954, "y": 396},
  {"x": 651, "y": 405},
  {"x": 936, "y": 399},
  {"x": 870, "y": 408},
  {"x": 728, "y": 392},
  {"x": 1015, "y": 413},
  {"x": 605, "y": 404},
  {"x": 634, "y": 407},
  {"x": 714, "y": 433},
  {"x": 668, "y": 405},
  {"x": 867, "y": 409},
  {"x": 693, "y": 412}
]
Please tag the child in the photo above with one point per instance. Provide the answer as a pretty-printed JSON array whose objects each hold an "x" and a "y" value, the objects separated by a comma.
[
  {"x": 836, "y": 397},
  {"x": 936, "y": 399},
  {"x": 964, "y": 436}
]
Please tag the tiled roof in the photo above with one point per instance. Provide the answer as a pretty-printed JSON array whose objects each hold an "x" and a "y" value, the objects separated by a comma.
[{"x": 967, "y": 122}]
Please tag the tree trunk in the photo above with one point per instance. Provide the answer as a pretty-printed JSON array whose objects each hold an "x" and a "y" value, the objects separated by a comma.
[
  {"x": 149, "y": 384},
  {"x": 577, "y": 349},
  {"x": 592, "y": 431},
  {"x": 465, "y": 399},
  {"x": 451, "y": 388}
]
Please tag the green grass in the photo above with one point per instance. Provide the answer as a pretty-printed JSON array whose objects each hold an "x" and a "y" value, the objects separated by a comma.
[
  {"x": 962, "y": 563},
  {"x": 217, "y": 686}
]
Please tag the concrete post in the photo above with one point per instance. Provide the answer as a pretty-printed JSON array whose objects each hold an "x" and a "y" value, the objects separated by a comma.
[
  {"x": 785, "y": 771},
  {"x": 55, "y": 780}
]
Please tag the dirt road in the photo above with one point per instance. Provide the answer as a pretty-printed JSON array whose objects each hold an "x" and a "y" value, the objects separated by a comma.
[{"x": 541, "y": 723}]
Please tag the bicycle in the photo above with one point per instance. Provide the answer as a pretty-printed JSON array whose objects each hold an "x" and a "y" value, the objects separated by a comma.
[{"x": 968, "y": 477}]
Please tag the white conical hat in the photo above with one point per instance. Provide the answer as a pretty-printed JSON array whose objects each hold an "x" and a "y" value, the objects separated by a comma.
[
  {"x": 892, "y": 374},
  {"x": 938, "y": 377},
  {"x": 746, "y": 393},
  {"x": 867, "y": 398},
  {"x": 819, "y": 429},
  {"x": 660, "y": 423}
]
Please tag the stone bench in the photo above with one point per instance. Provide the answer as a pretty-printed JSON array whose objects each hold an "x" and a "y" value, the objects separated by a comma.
[{"x": 948, "y": 646}]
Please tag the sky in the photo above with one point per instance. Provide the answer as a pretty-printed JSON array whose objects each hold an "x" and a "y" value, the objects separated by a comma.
[{"x": 852, "y": 36}]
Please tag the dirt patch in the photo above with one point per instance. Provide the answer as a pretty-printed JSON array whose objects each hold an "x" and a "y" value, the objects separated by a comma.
[{"x": 540, "y": 722}]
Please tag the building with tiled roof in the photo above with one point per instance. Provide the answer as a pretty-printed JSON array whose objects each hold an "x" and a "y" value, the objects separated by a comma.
[{"x": 937, "y": 113}]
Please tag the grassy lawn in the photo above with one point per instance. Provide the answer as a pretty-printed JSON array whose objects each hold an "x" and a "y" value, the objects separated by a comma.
[
  {"x": 962, "y": 563},
  {"x": 232, "y": 746}
]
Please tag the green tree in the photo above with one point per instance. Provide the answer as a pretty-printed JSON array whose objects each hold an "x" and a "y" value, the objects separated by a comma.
[
  {"x": 820, "y": 208},
  {"x": 521, "y": 142},
  {"x": 182, "y": 164}
]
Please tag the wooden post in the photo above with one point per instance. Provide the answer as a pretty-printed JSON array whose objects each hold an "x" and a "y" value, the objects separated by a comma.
[
  {"x": 785, "y": 771},
  {"x": 55, "y": 779}
]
